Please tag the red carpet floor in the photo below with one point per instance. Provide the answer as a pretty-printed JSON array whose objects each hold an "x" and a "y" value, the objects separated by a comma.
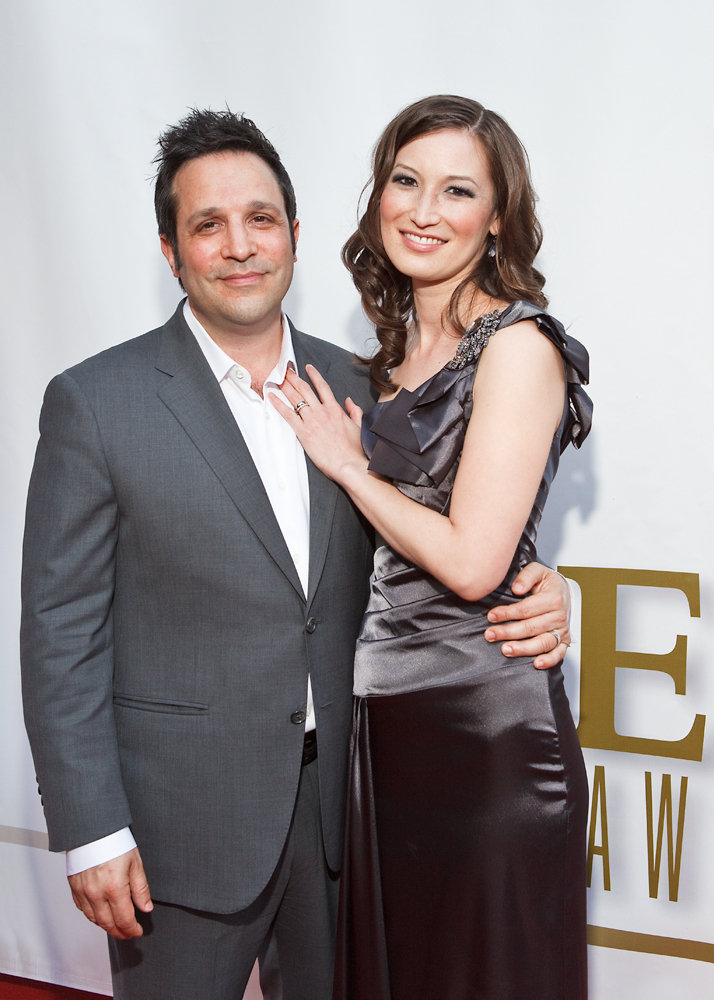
[{"x": 12, "y": 988}]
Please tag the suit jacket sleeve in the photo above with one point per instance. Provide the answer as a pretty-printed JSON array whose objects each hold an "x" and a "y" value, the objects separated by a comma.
[{"x": 66, "y": 634}]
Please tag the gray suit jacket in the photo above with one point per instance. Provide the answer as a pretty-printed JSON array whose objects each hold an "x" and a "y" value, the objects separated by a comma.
[{"x": 166, "y": 640}]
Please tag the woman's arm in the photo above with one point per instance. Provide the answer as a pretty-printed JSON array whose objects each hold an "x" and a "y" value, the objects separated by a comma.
[{"x": 518, "y": 394}]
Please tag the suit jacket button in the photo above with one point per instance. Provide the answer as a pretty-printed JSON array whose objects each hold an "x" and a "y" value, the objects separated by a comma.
[
  {"x": 298, "y": 718},
  {"x": 311, "y": 625}
]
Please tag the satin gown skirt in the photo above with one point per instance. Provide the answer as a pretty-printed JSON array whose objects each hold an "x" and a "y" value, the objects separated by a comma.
[{"x": 464, "y": 872}]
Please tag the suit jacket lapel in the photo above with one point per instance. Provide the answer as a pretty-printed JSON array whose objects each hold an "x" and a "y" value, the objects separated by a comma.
[
  {"x": 196, "y": 400},
  {"x": 323, "y": 492}
]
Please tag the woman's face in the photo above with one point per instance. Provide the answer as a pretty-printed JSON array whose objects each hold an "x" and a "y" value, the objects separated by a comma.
[{"x": 437, "y": 208}]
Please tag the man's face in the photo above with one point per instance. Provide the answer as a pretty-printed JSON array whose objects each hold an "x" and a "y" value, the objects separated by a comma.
[{"x": 235, "y": 256}]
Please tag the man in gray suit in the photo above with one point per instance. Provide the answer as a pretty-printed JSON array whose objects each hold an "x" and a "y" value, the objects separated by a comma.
[{"x": 192, "y": 589}]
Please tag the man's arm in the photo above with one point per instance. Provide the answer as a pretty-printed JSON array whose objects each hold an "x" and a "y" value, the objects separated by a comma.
[
  {"x": 67, "y": 646},
  {"x": 106, "y": 849},
  {"x": 527, "y": 628},
  {"x": 107, "y": 894}
]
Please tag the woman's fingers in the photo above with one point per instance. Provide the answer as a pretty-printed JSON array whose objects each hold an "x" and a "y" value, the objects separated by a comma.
[
  {"x": 296, "y": 389},
  {"x": 298, "y": 392},
  {"x": 321, "y": 386},
  {"x": 330, "y": 439},
  {"x": 354, "y": 412},
  {"x": 286, "y": 411}
]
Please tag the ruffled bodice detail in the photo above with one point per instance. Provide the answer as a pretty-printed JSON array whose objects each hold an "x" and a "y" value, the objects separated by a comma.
[{"x": 416, "y": 438}]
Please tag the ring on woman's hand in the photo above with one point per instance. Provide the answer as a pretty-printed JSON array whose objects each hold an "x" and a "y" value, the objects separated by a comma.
[
  {"x": 299, "y": 405},
  {"x": 556, "y": 633}
]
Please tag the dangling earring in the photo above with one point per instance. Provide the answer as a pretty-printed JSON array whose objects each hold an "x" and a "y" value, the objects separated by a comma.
[{"x": 492, "y": 248}]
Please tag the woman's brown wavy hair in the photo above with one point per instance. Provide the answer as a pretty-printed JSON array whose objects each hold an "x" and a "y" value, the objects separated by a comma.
[{"x": 386, "y": 293}]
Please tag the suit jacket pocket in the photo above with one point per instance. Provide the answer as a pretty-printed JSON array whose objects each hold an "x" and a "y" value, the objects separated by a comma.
[{"x": 159, "y": 705}]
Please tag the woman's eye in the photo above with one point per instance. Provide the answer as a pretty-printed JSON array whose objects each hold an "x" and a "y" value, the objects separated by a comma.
[
  {"x": 404, "y": 180},
  {"x": 460, "y": 192}
]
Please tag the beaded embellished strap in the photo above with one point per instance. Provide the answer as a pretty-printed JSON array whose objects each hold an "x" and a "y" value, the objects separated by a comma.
[{"x": 474, "y": 341}]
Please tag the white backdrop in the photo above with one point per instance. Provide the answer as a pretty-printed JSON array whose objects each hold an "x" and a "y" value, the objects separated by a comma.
[{"x": 613, "y": 102}]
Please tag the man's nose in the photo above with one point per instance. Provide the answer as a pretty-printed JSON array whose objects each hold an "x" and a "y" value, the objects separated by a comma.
[{"x": 238, "y": 242}]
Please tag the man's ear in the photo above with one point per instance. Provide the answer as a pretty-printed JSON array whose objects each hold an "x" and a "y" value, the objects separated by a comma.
[
  {"x": 296, "y": 234},
  {"x": 168, "y": 251}
]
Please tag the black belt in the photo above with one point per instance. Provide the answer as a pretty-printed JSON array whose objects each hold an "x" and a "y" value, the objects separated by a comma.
[{"x": 309, "y": 748}]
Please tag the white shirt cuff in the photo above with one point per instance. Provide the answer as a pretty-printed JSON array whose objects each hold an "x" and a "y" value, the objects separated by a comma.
[{"x": 99, "y": 851}]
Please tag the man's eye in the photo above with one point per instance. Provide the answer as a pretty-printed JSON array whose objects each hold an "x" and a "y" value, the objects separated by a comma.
[{"x": 207, "y": 226}]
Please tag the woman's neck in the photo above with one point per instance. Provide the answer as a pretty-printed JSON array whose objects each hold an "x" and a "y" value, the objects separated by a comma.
[
  {"x": 431, "y": 308},
  {"x": 431, "y": 304}
]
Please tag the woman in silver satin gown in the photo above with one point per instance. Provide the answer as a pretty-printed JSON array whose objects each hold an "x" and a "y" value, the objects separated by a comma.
[{"x": 464, "y": 859}]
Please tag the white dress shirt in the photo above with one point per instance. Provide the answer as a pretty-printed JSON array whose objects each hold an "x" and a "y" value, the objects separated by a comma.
[{"x": 280, "y": 461}]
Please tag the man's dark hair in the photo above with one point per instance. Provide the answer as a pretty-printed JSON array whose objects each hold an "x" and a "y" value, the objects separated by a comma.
[{"x": 199, "y": 134}]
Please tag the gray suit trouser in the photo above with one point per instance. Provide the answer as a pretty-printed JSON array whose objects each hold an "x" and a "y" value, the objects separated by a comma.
[{"x": 193, "y": 955}]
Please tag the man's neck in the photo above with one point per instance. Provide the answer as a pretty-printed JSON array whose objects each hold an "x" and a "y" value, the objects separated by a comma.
[{"x": 255, "y": 347}]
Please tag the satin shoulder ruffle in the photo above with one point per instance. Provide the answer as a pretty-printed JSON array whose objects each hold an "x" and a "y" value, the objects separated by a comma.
[
  {"x": 407, "y": 437},
  {"x": 577, "y": 367}
]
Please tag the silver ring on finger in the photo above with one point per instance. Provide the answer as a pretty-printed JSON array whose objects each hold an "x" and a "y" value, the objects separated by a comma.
[
  {"x": 556, "y": 633},
  {"x": 299, "y": 405}
]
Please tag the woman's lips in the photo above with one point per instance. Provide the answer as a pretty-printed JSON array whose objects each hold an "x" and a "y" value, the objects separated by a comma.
[{"x": 421, "y": 241}]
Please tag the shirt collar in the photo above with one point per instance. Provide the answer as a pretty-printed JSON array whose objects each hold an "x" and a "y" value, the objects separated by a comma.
[{"x": 221, "y": 365}]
